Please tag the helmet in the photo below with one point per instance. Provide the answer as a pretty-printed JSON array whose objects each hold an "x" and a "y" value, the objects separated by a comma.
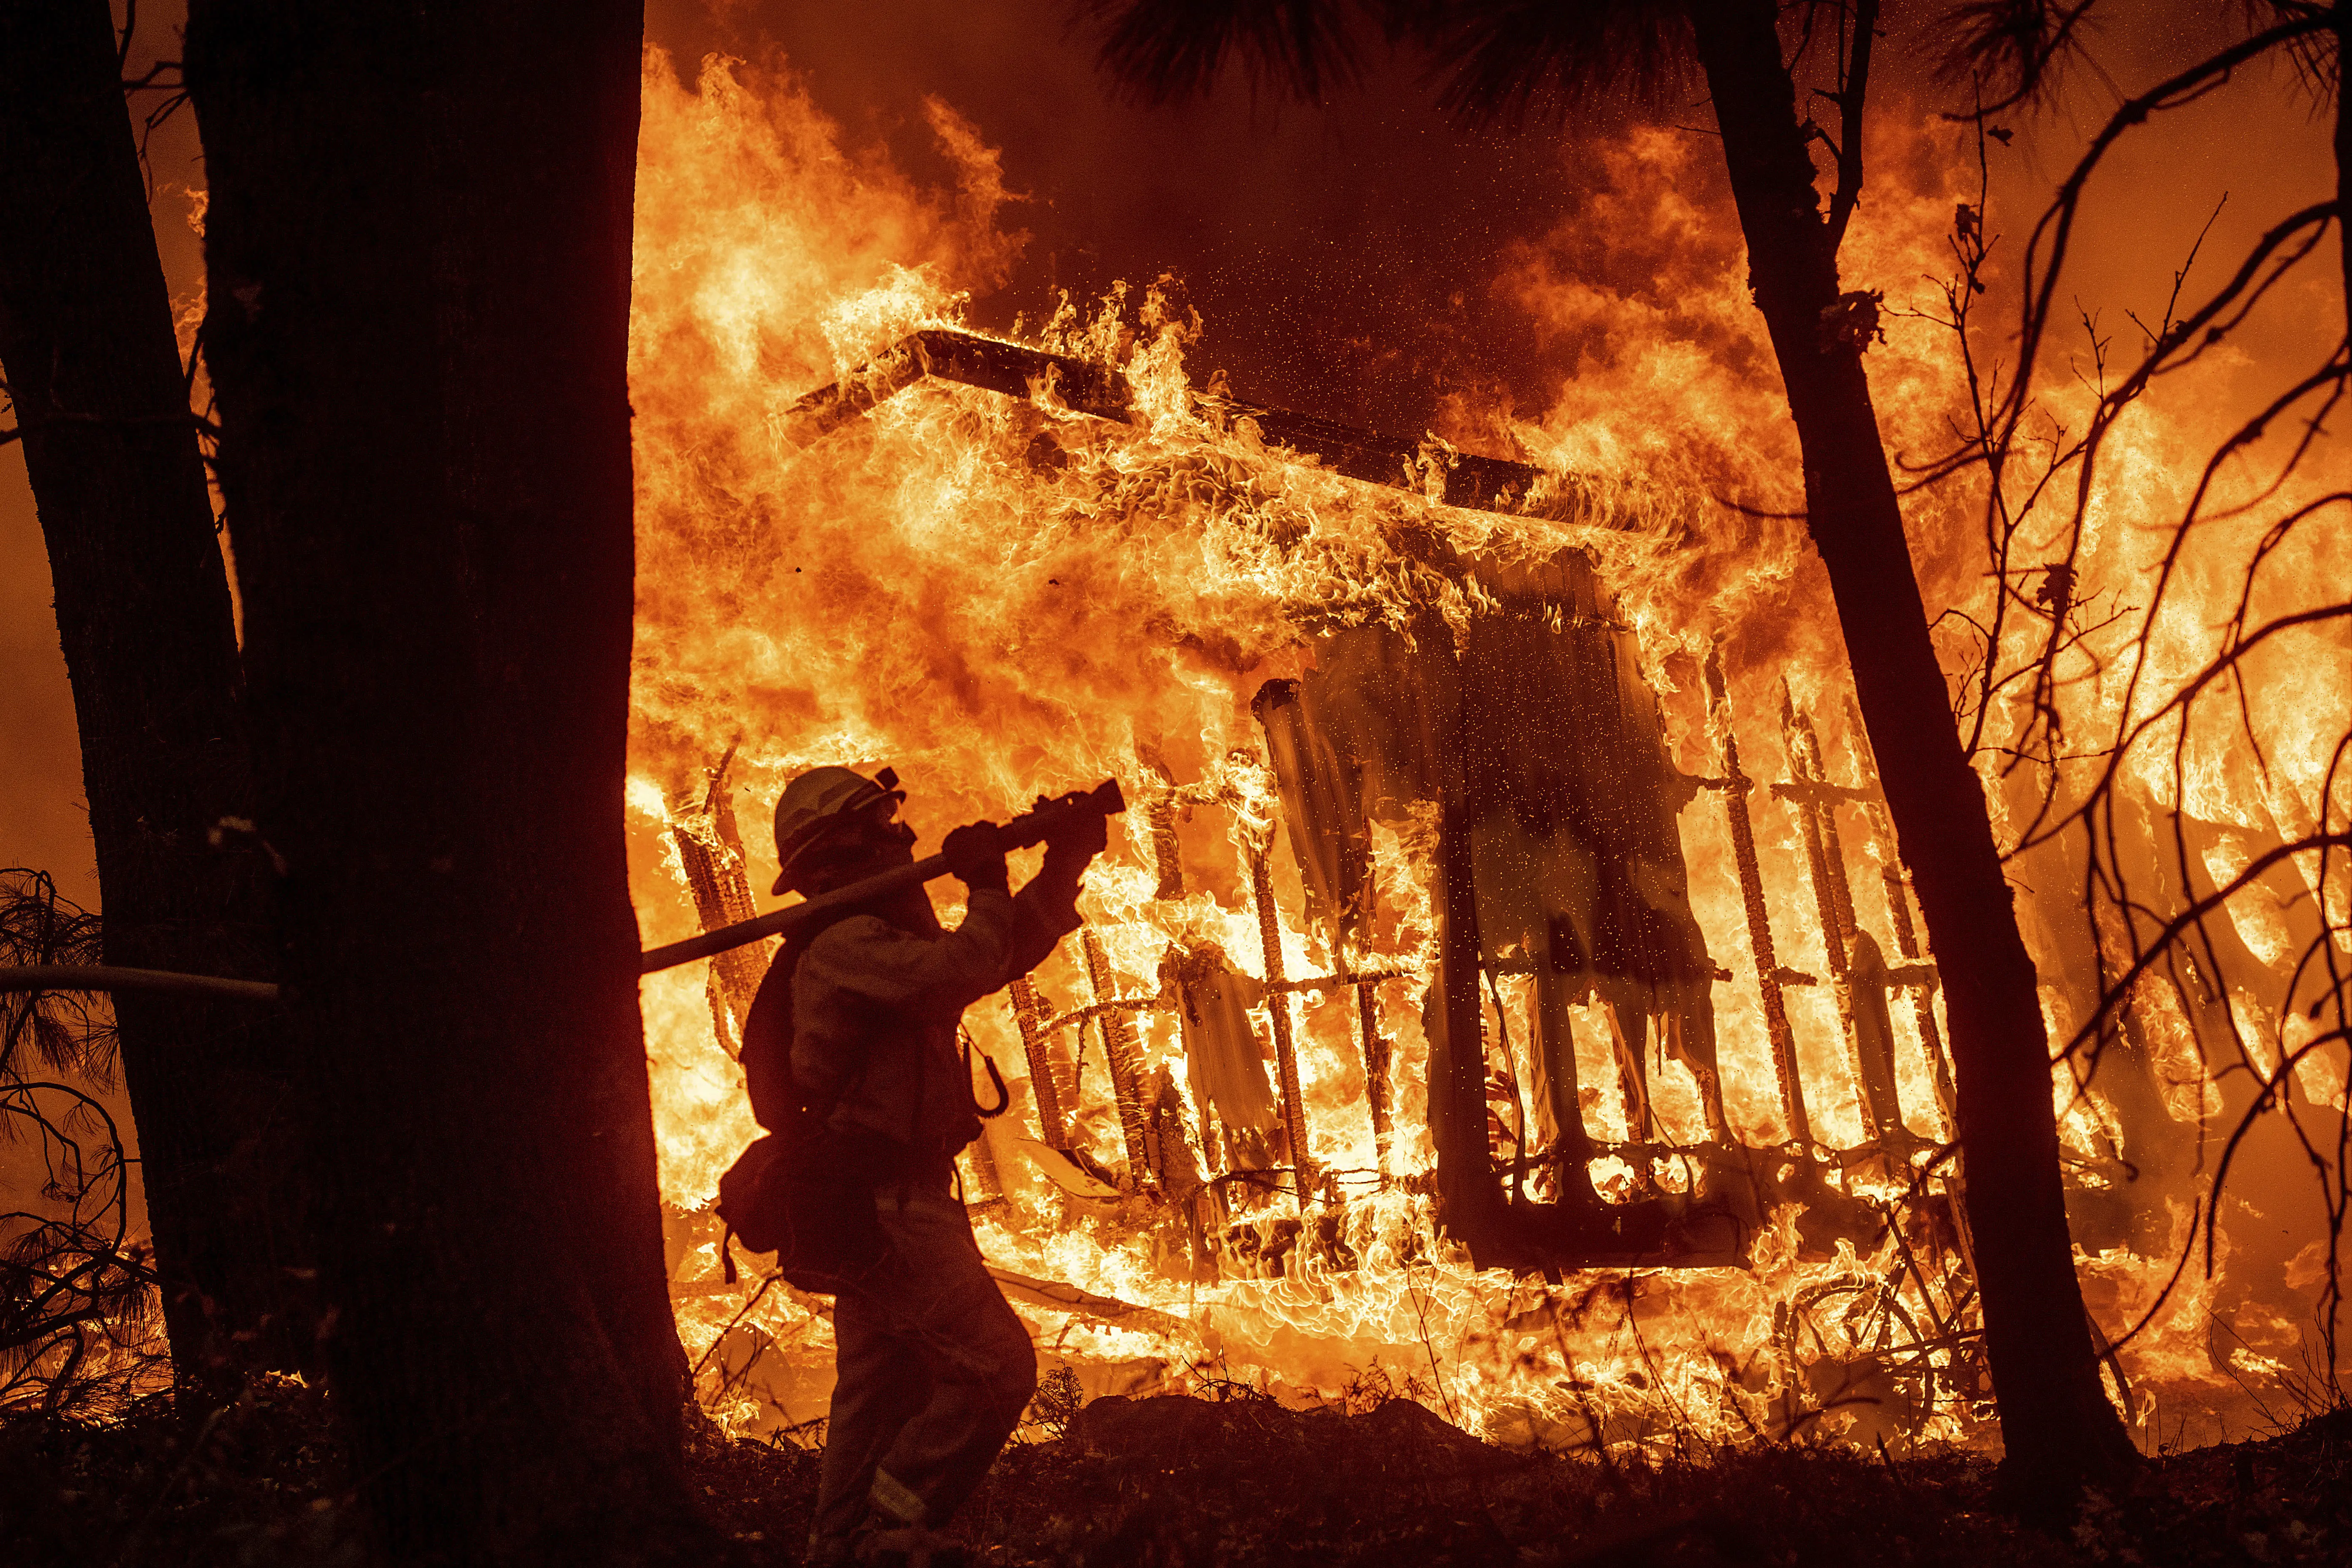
[{"x": 820, "y": 802}]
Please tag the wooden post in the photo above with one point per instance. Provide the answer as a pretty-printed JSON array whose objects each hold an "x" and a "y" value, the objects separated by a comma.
[
  {"x": 1872, "y": 1046},
  {"x": 1029, "y": 1014},
  {"x": 710, "y": 849},
  {"x": 1121, "y": 1054},
  {"x": 1768, "y": 973},
  {"x": 1469, "y": 1204},
  {"x": 1166, "y": 859},
  {"x": 1376, "y": 1074},
  {"x": 1376, "y": 1055},
  {"x": 1805, "y": 800},
  {"x": 987, "y": 1184},
  {"x": 1277, "y": 1007}
]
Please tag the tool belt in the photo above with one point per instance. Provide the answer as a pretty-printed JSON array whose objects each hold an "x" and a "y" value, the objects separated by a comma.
[{"x": 807, "y": 1195}]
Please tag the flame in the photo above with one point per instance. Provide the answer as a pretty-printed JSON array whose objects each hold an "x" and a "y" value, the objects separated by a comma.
[{"x": 1000, "y": 597}]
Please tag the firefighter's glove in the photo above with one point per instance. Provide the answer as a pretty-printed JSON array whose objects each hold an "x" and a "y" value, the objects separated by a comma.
[
  {"x": 975, "y": 854},
  {"x": 1080, "y": 836}
]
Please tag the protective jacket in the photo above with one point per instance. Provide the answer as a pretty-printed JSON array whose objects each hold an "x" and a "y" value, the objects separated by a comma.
[{"x": 867, "y": 1011}]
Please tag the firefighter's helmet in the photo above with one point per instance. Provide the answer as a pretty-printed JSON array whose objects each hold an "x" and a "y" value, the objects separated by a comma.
[{"x": 820, "y": 804}]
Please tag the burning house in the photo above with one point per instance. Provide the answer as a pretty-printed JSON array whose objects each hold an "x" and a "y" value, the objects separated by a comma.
[
  {"x": 1402, "y": 963},
  {"x": 1502, "y": 987}
]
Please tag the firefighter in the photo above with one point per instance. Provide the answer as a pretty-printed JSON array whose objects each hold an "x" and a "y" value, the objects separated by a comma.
[{"x": 933, "y": 1368}]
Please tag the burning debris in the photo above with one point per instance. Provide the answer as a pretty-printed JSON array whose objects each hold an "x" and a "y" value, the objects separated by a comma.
[
  {"x": 1429, "y": 468},
  {"x": 1408, "y": 979}
]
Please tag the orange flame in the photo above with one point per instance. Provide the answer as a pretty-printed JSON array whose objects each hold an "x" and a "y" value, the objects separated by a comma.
[{"x": 1001, "y": 598}]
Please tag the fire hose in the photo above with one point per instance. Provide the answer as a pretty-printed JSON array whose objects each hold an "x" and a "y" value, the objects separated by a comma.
[{"x": 1028, "y": 829}]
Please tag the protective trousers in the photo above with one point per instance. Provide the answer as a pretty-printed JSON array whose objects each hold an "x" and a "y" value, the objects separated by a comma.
[{"x": 934, "y": 1371}]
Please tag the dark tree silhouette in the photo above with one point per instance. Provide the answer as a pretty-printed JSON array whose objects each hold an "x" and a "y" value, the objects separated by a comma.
[
  {"x": 77, "y": 1331},
  {"x": 101, "y": 405},
  {"x": 1510, "y": 58},
  {"x": 418, "y": 252}
]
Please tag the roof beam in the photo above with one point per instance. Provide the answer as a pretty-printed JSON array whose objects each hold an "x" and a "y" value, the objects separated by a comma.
[{"x": 1017, "y": 370}]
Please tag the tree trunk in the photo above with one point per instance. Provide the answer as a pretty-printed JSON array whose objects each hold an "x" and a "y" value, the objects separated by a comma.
[
  {"x": 418, "y": 253},
  {"x": 2342, "y": 31},
  {"x": 2056, "y": 1425},
  {"x": 86, "y": 343}
]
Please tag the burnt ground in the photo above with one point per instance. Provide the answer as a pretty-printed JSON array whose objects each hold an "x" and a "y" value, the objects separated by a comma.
[{"x": 1238, "y": 1481}]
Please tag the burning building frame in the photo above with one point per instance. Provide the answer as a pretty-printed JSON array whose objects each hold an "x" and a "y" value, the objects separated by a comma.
[{"x": 1402, "y": 967}]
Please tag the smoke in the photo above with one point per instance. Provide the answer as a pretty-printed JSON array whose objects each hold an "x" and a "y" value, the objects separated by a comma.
[
  {"x": 1342, "y": 256},
  {"x": 1361, "y": 259}
]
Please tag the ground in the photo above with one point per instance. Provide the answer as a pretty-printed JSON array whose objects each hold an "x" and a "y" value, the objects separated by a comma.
[{"x": 1237, "y": 1481}]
